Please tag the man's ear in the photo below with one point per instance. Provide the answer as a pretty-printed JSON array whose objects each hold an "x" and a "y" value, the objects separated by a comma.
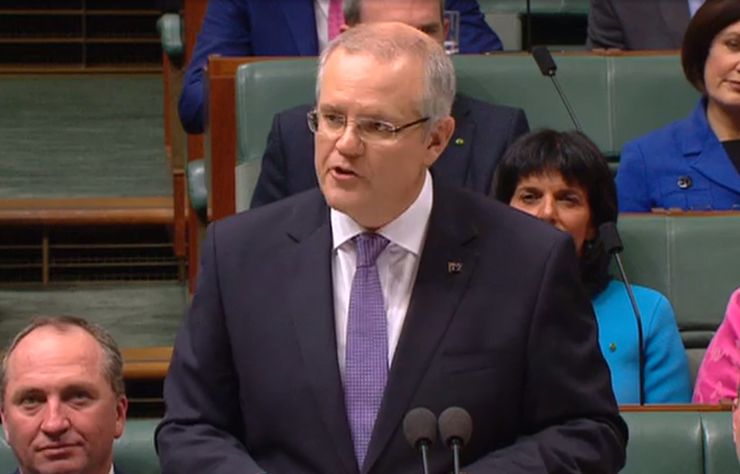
[
  {"x": 439, "y": 137},
  {"x": 343, "y": 28},
  {"x": 5, "y": 425}
]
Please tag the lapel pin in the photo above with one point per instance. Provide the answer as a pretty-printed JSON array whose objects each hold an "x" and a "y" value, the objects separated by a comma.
[
  {"x": 684, "y": 182},
  {"x": 459, "y": 141},
  {"x": 454, "y": 267}
]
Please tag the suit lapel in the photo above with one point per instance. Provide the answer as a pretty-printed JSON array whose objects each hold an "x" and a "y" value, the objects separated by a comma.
[
  {"x": 676, "y": 17},
  {"x": 312, "y": 306},
  {"x": 301, "y": 20},
  {"x": 714, "y": 163},
  {"x": 447, "y": 263},
  {"x": 454, "y": 163},
  {"x": 705, "y": 152}
]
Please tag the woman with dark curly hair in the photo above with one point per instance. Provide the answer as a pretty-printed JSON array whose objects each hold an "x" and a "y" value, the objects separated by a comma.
[
  {"x": 694, "y": 164},
  {"x": 562, "y": 178}
]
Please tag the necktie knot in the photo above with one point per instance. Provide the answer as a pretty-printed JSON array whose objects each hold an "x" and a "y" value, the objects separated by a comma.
[{"x": 369, "y": 246}]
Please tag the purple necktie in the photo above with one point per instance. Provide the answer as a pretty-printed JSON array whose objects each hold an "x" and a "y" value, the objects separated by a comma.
[{"x": 366, "y": 368}]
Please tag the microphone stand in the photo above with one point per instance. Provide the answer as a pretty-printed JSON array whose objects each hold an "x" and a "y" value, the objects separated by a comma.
[
  {"x": 638, "y": 319},
  {"x": 613, "y": 245}
]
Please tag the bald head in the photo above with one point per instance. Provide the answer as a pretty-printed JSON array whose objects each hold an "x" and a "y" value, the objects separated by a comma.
[{"x": 387, "y": 42}]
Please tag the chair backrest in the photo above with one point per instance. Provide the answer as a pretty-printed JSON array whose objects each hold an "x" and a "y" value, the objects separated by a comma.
[
  {"x": 133, "y": 453},
  {"x": 680, "y": 441},
  {"x": 616, "y": 98},
  {"x": 692, "y": 259}
]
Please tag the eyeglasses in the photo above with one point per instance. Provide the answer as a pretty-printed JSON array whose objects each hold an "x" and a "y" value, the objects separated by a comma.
[{"x": 332, "y": 125}]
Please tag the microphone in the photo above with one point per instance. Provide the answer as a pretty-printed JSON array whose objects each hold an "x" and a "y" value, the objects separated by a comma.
[
  {"x": 420, "y": 430},
  {"x": 456, "y": 427},
  {"x": 613, "y": 245},
  {"x": 547, "y": 66}
]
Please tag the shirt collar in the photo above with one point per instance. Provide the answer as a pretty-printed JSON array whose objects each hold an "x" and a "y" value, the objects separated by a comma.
[{"x": 406, "y": 231}]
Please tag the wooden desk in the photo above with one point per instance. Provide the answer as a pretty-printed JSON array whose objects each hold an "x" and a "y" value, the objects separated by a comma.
[{"x": 146, "y": 362}]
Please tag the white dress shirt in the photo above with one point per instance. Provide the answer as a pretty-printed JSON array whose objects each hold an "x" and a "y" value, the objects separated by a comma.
[
  {"x": 321, "y": 13},
  {"x": 397, "y": 265}
]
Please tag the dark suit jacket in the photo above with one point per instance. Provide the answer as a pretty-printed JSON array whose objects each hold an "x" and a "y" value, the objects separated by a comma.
[
  {"x": 254, "y": 384},
  {"x": 637, "y": 24},
  {"x": 286, "y": 28},
  {"x": 653, "y": 168},
  {"x": 483, "y": 132}
]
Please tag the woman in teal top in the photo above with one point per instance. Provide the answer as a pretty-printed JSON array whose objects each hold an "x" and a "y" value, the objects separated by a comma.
[{"x": 562, "y": 178}]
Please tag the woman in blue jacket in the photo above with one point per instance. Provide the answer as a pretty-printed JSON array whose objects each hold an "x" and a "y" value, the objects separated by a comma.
[
  {"x": 694, "y": 164},
  {"x": 562, "y": 178}
]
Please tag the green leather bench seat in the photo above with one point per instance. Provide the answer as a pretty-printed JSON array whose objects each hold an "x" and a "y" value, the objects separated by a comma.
[
  {"x": 616, "y": 98},
  {"x": 133, "y": 453},
  {"x": 692, "y": 259},
  {"x": 680, "y": 442},
  {"x": 666, "y": 442},
  {"x": 169, "y": 26}
]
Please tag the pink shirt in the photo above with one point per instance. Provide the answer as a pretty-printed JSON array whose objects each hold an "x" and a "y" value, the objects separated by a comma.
[{"x": 719, "y": 374}]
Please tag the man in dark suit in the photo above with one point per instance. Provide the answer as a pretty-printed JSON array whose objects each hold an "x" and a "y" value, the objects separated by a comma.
[
  {"x": 637, "y": 25},
  {"x": 319, "y": 321},
  {"x": 483, "y": 131},
  {"x": 287, "y": 28},
  {"x": 63, "y": 400}
]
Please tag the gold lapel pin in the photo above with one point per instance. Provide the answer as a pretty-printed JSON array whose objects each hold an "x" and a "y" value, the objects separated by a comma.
[{"x": 454, "y": 267}]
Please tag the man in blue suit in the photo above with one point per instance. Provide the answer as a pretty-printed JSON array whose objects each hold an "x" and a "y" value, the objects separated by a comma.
[
  {"x": 483, "y": 131},
  {"x": 319, "y": 321},
  {"x": 286, "y": 28},
  {"x": 63, "y": 400}
]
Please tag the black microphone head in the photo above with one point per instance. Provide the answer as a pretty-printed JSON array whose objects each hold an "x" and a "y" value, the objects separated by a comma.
[
  {"x": 544, "y": 60},
  {"x": 609, "y": 236},
  {"x": 420, "y": 426},
  {"x": 455, "y": 424}
]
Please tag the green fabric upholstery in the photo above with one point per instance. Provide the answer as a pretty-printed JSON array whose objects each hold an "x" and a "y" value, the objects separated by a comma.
[
  {"x": 680, "y": 442},
  {"x": 169, "y": 26},
  {"x": 660, "y": 443},
  {"x": 616, "y": 98},
  {"x": 262, "y": 90},
  {"x": 693, "y": 260},
  {"x": 133, "y": 453},
  {"x": 197, "y": 188},
  {"x": 648, "y": 92}
]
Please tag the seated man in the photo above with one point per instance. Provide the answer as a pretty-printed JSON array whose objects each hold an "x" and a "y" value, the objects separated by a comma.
[
  {"x": 289, "y": 28},
  {"x": 639, "y": 25},
  {"x": 321, "y": 320},
  {"x": 63, "y": 400},
  {"x": 483, "y": 131}
]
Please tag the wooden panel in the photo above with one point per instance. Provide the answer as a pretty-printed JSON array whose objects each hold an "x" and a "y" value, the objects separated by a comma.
[
  {"x": 146, "y": 362},
  {"x": 87, "y": 211}
]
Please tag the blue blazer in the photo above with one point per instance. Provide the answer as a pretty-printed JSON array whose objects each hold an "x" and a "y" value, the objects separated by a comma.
[
  {"x": 483, "y": 132},
  {"x": 254, "y": 382},
  {"x": 667, "y": 376},
  {"x": 285, "y": 28},
  {"x": 682, "y": 165}
]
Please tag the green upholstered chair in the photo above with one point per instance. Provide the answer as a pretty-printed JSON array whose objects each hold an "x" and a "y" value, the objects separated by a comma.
[
  {"x": 693, "y": 260},
  {"x": 262, "y": 90},
  {"x": 680, "y": 442},
  {"x": 613, "y": 99},
  {"x": 170, "y": 31},
  {"x": 133, "y": 453},
  {"x": 647, "y": 93}
]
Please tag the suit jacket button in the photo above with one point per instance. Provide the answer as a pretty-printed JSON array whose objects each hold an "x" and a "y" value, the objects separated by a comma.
[{"x": 684, "y": 182}]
